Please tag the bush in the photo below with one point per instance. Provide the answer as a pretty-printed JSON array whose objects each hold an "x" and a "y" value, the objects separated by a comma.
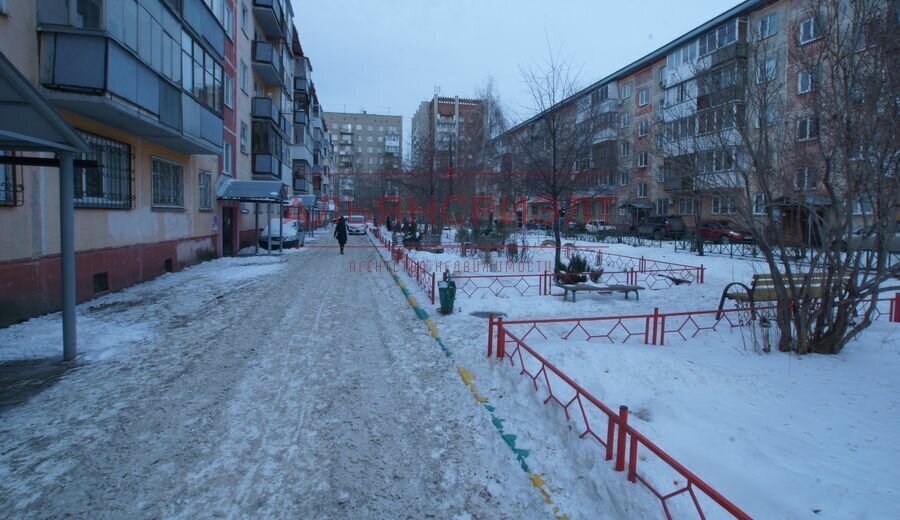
[{"x": 578, "y": 264}]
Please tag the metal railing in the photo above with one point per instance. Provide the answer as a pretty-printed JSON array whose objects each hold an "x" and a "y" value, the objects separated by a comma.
[{"x": 618, "y": 439}]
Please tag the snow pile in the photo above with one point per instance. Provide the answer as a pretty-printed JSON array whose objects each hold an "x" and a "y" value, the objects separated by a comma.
[{"x": 116, "y": 322}]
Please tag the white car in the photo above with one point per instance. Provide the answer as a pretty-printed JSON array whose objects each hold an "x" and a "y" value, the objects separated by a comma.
[
  {"x": 596, "y": 226},
  {"x": 356, "y": 225},
  {"x": 292, "y": 234}
]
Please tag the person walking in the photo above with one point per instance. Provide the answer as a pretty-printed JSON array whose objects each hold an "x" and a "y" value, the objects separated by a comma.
[{"x": 340, "y": 232}]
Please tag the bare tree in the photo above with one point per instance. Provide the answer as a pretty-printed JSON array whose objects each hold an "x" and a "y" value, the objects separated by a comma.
[
  {"x": 552, "y": 150},
  {"x": 797, "y": 138}
]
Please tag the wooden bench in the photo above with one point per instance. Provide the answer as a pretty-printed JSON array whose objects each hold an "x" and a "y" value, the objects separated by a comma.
[
  {"x": 762, "y": 287},
  {"x": 601, "y": 289},
  {"x": 431, "y": 243}
]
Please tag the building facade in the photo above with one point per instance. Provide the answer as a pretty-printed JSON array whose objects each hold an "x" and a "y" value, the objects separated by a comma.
[
  {"x": 364, "y": 143},
  {"x": 174, "y": 97},
  {"x": 671, "y": 123},
  {"x": 447, "y": 131}
]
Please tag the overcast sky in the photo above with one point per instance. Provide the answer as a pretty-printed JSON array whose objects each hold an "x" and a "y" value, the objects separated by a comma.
[{"x": 386, "y": 56}]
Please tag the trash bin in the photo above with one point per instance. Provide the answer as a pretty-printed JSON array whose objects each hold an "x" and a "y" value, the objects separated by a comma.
[{"x": 447, "y": 293}]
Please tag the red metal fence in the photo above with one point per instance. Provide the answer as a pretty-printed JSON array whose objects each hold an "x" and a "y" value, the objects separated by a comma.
[
  {"x": 417, "y": 270},
  {"x": 597, "y": 421},
  {"x": 657, "y": 327}
]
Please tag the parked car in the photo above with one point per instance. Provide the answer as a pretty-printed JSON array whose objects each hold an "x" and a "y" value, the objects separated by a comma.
[
  {"x": 721, "y": 231},
  {"x": 596, "y": 226},
  {"x": 356, "y": 225},
  {"x": 660, "y": 227},
  {"x": 292, "y": 234}
]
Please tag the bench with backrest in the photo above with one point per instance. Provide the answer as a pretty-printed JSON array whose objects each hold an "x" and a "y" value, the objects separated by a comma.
[
  {"x": 575, "y": 288},
  {"x": 762, "y": 287},
  {"x": 431, "y": 243}
]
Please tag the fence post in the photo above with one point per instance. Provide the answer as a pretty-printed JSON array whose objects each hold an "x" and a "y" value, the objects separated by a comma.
[
  {"x": 662, "y": 330},
  {"x": 895, "y": 308},
  {"x": 620, "y": 440},
  {"x": 642, "y": 264},
  {"x": 432, "y": 288},
  {"x": 501, "y": 338},
  {"x": 655, "y": 323},
  {"x": 702, "y": 271},
  {"x": 632, "y": 460},
  {"x": 490, "y": 335}
]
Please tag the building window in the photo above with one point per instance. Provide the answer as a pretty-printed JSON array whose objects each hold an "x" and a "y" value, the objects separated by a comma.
[
  {"x": 623, "y": 178},
  {"x": 686, "y": 206},
  {"x": 626, "y": 119},
  {"x": 766, "y": 70},
  {"x": 626, "y": 91},
  {"x": 245, "y": 138},
  {"x": 168, "y": 183},
  {"x": 806, "y": 129},
  {"x": 244, "y": 77},
  {"x": 722, "y": 206},
  {"x": 808, "y": 31},
  {"x": 10, "y": 189},
  {"x": 206, "y": 83},
  {"x": 805, "y": 179},
  {"x": 204, "y": 183},
  {"x": 358, "y": 127},
  {"x": 759, "y": 204},
  {"x": 642, "y": 190},
  {"x": 626, "y": 148},
  {"x": 644, "y": 127},
  {"x": 643, "y": 97},
  {"x": 662, "y": 206},
  {"x": 229, "y": 91},
  {"x": 109, "y": 185},
  {"x": 229, "y": 22},
  {"x": 245, "y": 16},
  {"x": 804, "y": 82},
  {"x": 226, "y": 158},
  {"x": 642, "y": 160},
  {"x": 768, "y": 26},
  {"x": 623, "y": 211}
]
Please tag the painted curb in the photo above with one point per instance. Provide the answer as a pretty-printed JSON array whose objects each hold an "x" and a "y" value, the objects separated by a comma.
[{"x": 468, "y": 379}]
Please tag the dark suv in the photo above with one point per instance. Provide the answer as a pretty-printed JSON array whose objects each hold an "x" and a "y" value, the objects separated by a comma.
[{"x": 660, "y": 227}]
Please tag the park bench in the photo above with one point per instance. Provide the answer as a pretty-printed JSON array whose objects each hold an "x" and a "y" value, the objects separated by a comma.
[
  {"x": 430, "y": 243},
  {"x": 762, "y": 288},
  {"x": 575, "y": 288}
]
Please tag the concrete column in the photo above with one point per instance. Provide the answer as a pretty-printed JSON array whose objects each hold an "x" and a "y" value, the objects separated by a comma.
[{"x": 67, "y": 251}]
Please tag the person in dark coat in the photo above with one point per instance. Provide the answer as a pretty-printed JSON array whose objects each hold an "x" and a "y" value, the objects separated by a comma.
[
  {"x": 389, "y": 223},
  {"x": 340, "y": 232}
]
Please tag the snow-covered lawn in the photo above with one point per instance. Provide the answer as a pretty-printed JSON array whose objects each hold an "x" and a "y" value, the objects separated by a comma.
[{"x": 780, "y": 436}]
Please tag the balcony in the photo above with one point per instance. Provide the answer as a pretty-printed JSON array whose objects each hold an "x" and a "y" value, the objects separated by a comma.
[
  {"x": 267, "y": 62},
  {"x": 316, "y": 169},
  {"x": 301, "y": 89},
  {"x": 266, "y": 166},
  {"x": 301, "y": 118},
  {"x": 731, "y": 52},
  {"x": 265, "y": 108},
  {"x": 269, "y": 17},
  {"x": 678, "y": 183},
  {"x": 94, "y": 76}
]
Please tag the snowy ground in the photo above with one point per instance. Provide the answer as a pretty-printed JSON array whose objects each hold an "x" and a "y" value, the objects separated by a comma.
[
  {"x": 254, "y": 387},
  {"x": 781, "y": 436}
]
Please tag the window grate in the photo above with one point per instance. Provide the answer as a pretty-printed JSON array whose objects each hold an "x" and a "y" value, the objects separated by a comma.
[
  {"x": 10, "y": 190},
  {"x": 167, "y": 183},
  {"x": 110, "y": 184}
]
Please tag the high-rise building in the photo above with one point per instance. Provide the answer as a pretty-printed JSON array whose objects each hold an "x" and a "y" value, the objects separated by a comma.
[
  {"x": 364, "y": 143},
  {"x": 447, "y": 130}
]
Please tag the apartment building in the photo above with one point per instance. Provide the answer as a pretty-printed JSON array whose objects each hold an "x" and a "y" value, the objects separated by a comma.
[
  {"x": 448, "y": 130},
  {"x": 143, "y": 85},
  {"x": 667, "y": 142},
  {"x": 364, "y": 143},
  {"x": 177, "y": 99}
]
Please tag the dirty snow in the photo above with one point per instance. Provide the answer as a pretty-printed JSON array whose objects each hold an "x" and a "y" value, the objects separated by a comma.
[{"x": 255, "y": 387}]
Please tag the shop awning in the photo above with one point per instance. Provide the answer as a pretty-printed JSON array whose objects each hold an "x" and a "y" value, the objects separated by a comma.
[
  {"x": 251, "y": 191},
  {"x": 637, "y": 204}
]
